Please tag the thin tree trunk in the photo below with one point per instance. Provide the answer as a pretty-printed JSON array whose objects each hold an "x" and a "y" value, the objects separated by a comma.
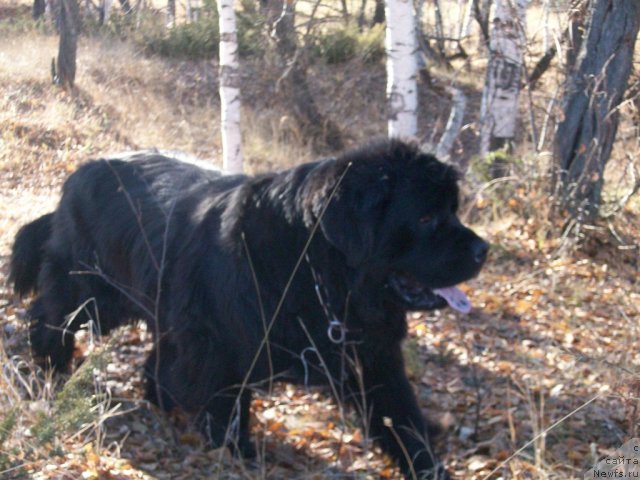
[
  {"x": 171, "y": 13},
  {"x": 293, "y": 86},
  {"x": 229, "y": 89},
  {"x": 105, "y": 13},
  {"x": 458, "y": 106},
  {"x": 481, "y": 14},
  {"x": 465, "y": 26},
  {"x": 363, "y": 7},
  {"x": 39, "y": 7},
  {"x": 402, "y": 87},
  {"x": 64, "y": 70},
  {"x": 585, "y": 137},
  {"x": 378, "y": 13},
  {"x": 439, "y": 29},
  {"x": 345, "y": 10},
  {"x": 499, "y": 108}
]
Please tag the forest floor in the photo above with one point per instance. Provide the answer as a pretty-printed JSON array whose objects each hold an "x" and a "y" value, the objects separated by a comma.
[{"x": 540, "y": 380}]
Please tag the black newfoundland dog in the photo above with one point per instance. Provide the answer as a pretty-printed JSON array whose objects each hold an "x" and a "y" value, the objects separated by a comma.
[{"x": 304, "y": 275}]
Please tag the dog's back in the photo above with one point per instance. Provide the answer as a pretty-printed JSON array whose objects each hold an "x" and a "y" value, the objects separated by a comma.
[
  {"x": 108, "y": 244},
  {"x": 27, "y": 254}
]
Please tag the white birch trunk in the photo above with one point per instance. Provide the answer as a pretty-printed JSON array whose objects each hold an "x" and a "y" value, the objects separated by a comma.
[
  {"x": 229, "y": 89},
  {"x": 458, "y": 106},
  {"x": 499, "y": 109},
  {"x": 401, "y": 46},
  {"x": 465, "y": 28},
  {"x": 106, "y": 9}
]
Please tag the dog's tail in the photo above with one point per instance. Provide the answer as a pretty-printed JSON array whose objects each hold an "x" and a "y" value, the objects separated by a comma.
[{"x": 27, "y": 254}]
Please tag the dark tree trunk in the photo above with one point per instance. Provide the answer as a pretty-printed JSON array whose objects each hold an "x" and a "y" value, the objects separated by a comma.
[
  {"x": 378, "y": 13},
  {"x": 171, "y": 12},
  {"x": 64, "y": 70},
  {"x": 584, "y": 139},
  {"x": 345, "y": 10},
  {"x": 39, "y": 7},
  {"x": 481, "y": 14},
  {"x": 363, "y": 7},
  {"x": 293, "y": 86}
]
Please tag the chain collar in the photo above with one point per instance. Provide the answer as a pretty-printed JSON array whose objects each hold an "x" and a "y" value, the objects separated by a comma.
[{"x": 337, "y": 332}]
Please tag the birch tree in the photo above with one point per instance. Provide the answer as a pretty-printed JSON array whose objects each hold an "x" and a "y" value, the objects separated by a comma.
[
  {"x": 585, "y": 137},
  {"x": 499, "y": 108},
  {"x": 402, "y": 67},
  {"x": 229, "y": 89}
]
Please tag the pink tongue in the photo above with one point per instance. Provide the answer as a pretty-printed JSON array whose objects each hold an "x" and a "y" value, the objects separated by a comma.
[{"x": 455, "y": 298}]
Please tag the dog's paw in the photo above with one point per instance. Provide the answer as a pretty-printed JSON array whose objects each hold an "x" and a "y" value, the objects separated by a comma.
[
  {"x": 438, "y": 472},
  {"x": 243, "y": 449}
]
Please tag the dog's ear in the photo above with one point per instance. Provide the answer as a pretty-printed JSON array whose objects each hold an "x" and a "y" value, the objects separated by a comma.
[{"x": 355, "y": 207}]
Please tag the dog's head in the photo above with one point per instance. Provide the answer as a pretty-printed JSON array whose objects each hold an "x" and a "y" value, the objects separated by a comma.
[{"x": 391, "y": 208}]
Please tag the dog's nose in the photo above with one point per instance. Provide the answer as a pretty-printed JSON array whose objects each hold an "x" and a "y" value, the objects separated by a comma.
[{"x": 479, "y": 250}]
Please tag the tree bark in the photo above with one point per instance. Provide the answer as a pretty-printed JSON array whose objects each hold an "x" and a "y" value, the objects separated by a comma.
[
  {"x": 499, "y": 108},
  {"x": 64, "y": 70},
  {"x": 584, "y": 139},
  {"x": 229, "y": 89},
  {"x": 402, "y": 68}
]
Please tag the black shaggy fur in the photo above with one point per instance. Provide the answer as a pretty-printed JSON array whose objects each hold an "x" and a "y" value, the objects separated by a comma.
[{"x": 217, "y": 263}]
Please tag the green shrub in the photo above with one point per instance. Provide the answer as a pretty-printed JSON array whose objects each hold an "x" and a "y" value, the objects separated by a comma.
[
  {"x": 197, "y": 40},
  {"x": 73, "y": 406},
  {"x": 486, "y": 169},
  {"x": 44, "y": 430},
  {"x": 119, "y": 24},
  {"x": 250, "y": 29},
  {"x": 7, "y": 424},
  {"x": 345, "y": 42},
  {"x": 16, "y": 20},
  {"x": 371, "y": 44},
  {"x": 338, "y": 45}
]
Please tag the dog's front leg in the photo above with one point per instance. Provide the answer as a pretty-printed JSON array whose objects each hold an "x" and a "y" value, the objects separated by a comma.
[
  {"x": 394, "y": 418},
  {"x": 225, "y": 422}
]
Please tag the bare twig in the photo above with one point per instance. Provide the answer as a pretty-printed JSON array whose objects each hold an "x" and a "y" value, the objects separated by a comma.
[{"x": 543, "y": 432}]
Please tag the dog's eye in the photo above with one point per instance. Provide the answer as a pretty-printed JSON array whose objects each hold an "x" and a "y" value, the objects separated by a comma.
[{"x": 425, "y": 219}]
